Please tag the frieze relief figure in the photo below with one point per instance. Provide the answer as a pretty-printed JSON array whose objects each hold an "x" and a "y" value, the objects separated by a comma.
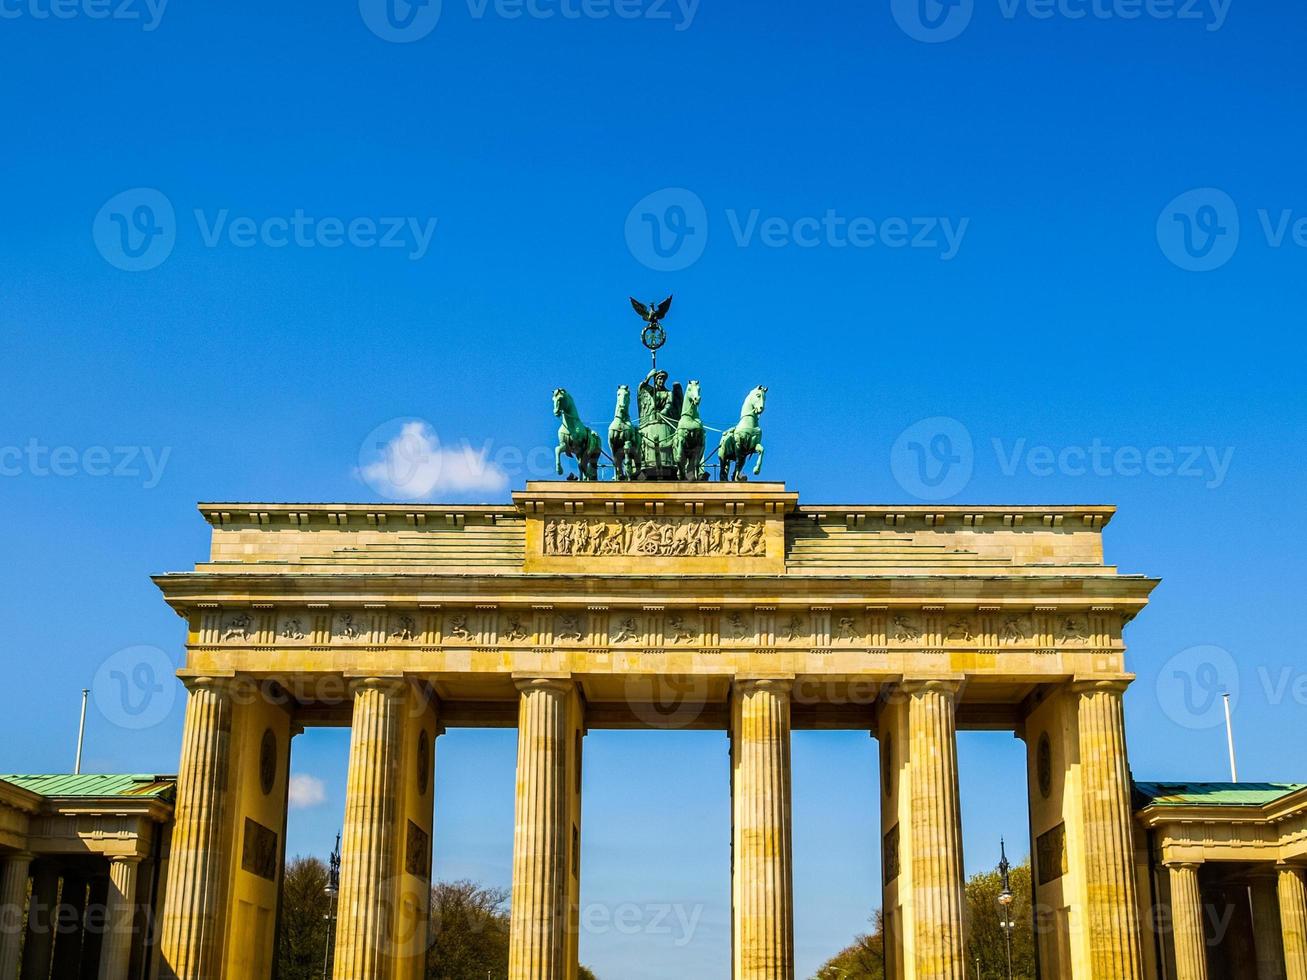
[
  {"x": 1075, "y": 630},
  {"x": 349, "y": 629},
  {"x": 405, "y": 630},
  {"x": 679, "y": 629},
  {"x": 689, "y": 538},
  {"x": 292, "y": 630},
  {"x": 627, "y": 631},
  {"x": 458, "y": 628},
  {"x": 904, "y": 631},
  {"x": 1015, "y": 629},
  {"x": 961, "y": 630},
  {"x": 238, "y": 628},
  {"x": 796, "y": 629},
  {"x": 847, "y": 629},
  {"x": 514, "y": 630},
  {"x": 569, "y": 628},
  {"x": 738, "y": 628}
]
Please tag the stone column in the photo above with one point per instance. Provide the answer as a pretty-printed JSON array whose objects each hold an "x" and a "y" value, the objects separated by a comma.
[
  {"x": 538, "y": 945},
  {"x": 1112, "y": 913},
  {"x": 120, "y": 919},
  {"x": 194, "y": 902},
  {"x": 13, "y": 902},
  {"x": 364, "y": 928},
  {"x": 95, "y": 919},
  {"x": 1266, "y": 928},
  {"x": 936, "y": 830},
  {"x": 1293, "y": 921},
  {"x": 38, "y": 948},
  {"x": 762, "y": 882},
  {"x": 68, "y": 939},
  {"x": 1187, "y": 922}
]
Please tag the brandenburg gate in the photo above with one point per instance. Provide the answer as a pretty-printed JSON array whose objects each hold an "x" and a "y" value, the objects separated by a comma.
[{"x": 655, "y": 603}]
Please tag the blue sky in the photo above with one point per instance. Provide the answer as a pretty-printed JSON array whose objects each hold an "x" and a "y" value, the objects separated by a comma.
[{"x": 1065, "y": 236}]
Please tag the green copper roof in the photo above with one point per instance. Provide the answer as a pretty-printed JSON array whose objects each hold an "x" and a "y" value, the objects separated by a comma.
[
  {"x": 62, "y": 785},
  {"x": 1213, "y": 794}
]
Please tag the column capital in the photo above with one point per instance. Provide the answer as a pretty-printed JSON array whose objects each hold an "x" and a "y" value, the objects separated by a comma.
[
  {"x": 950, "y": 687},
  {"x": 1101, "y": 685},
  {"x": 527, "y": 683},
  {"x": 222, "y": 684},
  {"x": 1182, "y": 865},
  {"x": 125, "y": 859},
  {"x": 779, "y": 686},
  {"x": 392, "y": 686}
]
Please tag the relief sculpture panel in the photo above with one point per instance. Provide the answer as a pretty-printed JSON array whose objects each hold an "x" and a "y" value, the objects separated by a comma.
[{"x": 685, "y": 538}]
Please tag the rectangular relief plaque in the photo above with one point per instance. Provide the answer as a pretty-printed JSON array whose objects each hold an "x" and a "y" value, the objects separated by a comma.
[
  {"x": 259, "y": 850},
  {"x": 417, "y": 852},
  {"x": 1050, "y": 854},
  {"x": 691, "y": 537},
  {"x": 889, "y": 859}
]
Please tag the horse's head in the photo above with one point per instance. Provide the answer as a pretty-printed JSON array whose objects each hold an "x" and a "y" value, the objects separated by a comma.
[
  {"x": 755, "y": 402},
  {"x": 692, "y": 395},
  {"x": 561, "y": 398},
  {"x": 623, "y": 398}
]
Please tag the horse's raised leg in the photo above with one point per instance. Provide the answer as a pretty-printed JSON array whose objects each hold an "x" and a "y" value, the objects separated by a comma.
[
  {"x": 558, "y": 459},
  {"x": 757, "y": 467}
]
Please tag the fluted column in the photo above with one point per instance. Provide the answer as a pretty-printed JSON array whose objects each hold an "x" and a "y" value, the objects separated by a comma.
[
  {"x": 13, "y": 901},
  {"x": 1187, "y": 922},
  {"x": 39, "y": 945},
  {"x": 120, "y": 919},
  {"x": 936, "y": 830},
  {"x": 763, "y": 899},
  {"x": 538, "y": 945},
  {"x": 194, "y": 901},
  {"x": 1266, "y": 926},
  {"x": 1112, "y": 913},
  {"x": 1293, "y": 921},
  {"x": 367, "y": 850}
]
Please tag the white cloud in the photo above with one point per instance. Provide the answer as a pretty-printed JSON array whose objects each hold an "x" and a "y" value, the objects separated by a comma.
[
  {"x": 306, "y": 791},
  {"x": 413, "y": 465}
]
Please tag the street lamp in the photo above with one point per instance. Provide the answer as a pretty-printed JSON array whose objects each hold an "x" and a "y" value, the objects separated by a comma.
[
  {"x": 332, "y": 890},
  {"x": 1005, "y": 896}
]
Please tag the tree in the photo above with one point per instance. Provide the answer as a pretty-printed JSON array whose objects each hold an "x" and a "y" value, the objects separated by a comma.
[
  {"x": 303, "y": 920},
  {"x": 469, "y": 932},
  {"x": 865, "y": 959},
  {"x": 985, "y": 935}
]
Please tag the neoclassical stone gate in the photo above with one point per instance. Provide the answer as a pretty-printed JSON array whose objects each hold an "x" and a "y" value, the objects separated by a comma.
[{"x": 617, "y": 605}]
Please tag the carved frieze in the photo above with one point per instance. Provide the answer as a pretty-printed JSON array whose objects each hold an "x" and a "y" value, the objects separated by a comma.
[{"x": 702, "y": 537}]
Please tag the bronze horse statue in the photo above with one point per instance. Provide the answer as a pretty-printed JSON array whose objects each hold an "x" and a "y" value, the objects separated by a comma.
[
  {"x": 623, "y": 441},
  {"x": 575, "y": 438},
  {"x": 744, "y": 438}
]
